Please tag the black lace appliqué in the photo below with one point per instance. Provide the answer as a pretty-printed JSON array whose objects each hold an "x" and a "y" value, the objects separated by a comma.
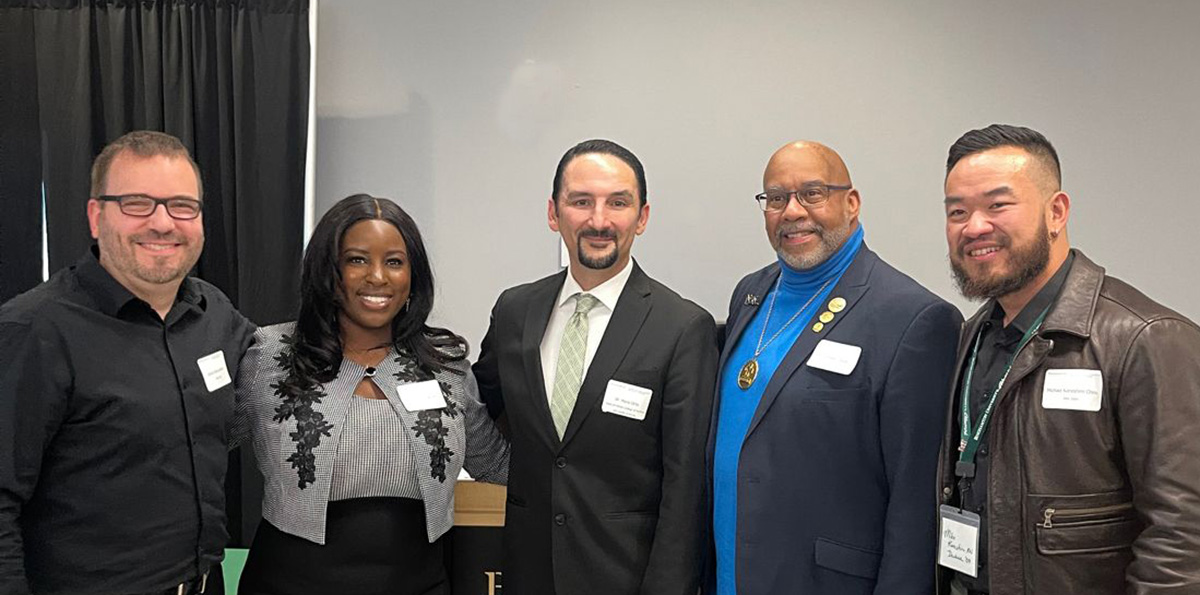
[
  {"x": 429, "y": 422},
  {"x": 310, "y": 425}
]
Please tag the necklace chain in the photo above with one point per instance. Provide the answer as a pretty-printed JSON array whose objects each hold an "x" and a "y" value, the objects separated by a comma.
[{"x": 775, "y": 295}]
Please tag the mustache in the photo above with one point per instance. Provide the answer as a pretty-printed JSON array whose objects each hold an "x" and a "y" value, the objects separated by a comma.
[
  {"x": 1001, "y": 241},
  {"x": 786, "y": 228},
  {"x": 160, "y": 237},
  {"x": 598, "y": 233}
]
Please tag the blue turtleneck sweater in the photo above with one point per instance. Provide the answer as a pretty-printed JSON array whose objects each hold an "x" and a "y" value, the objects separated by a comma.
[{"x": 737, "y": 405}]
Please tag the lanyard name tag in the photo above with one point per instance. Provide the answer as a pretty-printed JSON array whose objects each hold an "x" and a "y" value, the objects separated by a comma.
[{"x": 958, "y": 541}]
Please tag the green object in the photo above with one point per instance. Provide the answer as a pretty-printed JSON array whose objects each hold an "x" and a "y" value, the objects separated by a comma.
[
  {"x": 969, "y": 443},
  {"x": 235, "y": 559}
]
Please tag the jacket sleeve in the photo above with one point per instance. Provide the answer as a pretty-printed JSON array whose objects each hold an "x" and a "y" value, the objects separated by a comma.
[
  {"x": 487, "y": 450},
  {"x": 1158, "y": 411},
  {"x": 35, "y": 386},
  {"x": 487, "y": 369},
  {"x": 247, "y": 380},
  {"x": 911, "y": 411},
  {"x": 678, "y": 552}
]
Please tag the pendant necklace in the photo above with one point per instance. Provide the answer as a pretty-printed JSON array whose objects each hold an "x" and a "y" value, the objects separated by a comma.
[{"x": 749, "y": 371}]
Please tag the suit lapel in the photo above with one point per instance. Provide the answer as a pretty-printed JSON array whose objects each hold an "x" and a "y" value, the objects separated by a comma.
[
  {"x": 759, "y": 288},
  {"x": 850, "y": 288},
  {"x": 740, "y": 317},
  {"x": 537, "y": 316},
  {"x": 623, "y": 327}
]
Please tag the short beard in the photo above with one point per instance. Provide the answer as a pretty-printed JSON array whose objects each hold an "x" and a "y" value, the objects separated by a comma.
[
  {"x": 1027, "y": 263},
  {"x": 829, "y": 240},
  {"x": 599, "y": 262}
]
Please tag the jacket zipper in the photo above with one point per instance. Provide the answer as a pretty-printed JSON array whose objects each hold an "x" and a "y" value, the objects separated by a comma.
[{"x": 1049, "y": 515}]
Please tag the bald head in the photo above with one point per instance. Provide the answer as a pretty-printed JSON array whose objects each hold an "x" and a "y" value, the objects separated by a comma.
[
  {"x": 809, "y": 205},
  {"x": 809, "y": 156}
]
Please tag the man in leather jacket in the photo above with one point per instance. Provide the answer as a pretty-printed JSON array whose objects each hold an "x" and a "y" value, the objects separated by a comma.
[{"x": 1074, "y": 464}]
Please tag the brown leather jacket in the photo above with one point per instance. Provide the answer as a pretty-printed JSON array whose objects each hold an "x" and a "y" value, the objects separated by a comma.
[{"x": 1094, "y": 503}]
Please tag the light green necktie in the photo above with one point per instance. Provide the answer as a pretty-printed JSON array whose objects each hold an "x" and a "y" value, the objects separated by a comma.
[{"x": 568, "y": 375}]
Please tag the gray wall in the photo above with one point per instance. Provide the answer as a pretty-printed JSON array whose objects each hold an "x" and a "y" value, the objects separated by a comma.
[{"x": 460, "y": 111}]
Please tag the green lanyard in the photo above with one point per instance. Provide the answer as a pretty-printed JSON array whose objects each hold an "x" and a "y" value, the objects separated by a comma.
[{"x": 970, "y": 440}]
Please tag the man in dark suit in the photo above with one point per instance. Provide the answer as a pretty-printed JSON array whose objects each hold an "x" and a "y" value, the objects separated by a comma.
[
  {"x": 606, "y": 379},
  {"x": 831, "y": 393}
]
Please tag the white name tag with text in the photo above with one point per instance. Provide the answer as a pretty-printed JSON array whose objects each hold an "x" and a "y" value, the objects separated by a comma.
[
  {"x": 958, "y": 543},
  {"x": 626, "y": 400},
  {"x": 212, "y": 367},
  {"x": 1078, "y": 390},
  {"x": 835, "y": 357},
  {"x": 421, "y": 396}
]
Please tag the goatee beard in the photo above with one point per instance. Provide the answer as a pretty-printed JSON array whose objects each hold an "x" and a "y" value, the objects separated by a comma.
[
  {"x": 599, "y": 262},
  {"x": 1028, "y": 263}
]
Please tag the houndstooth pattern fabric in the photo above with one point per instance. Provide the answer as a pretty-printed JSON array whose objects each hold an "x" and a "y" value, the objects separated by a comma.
[
  {"x": 471, "y": 437},
  {"x": 372, "y": 438},
  {"x": 568, "y": 374}
]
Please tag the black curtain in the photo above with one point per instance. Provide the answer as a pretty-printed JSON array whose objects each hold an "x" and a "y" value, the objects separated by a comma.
[
  {"x": 20, "y": 158},
  {"x": 228, "y": 77}
]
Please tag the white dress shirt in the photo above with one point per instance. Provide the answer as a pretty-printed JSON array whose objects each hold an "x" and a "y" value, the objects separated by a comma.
[{"x": 607, "y": 293}]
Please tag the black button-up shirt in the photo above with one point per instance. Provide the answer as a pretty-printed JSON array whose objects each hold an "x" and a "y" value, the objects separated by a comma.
[
  {"x": 997, "y": 344},
  {"x": 112, "y": 447}
]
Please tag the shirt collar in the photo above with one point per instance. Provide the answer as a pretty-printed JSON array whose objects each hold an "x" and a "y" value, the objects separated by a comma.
[
  {"x": 1040, "y": 302},
  {"x": 112, "y": 297},
  {"x": 607, "y": 292}
]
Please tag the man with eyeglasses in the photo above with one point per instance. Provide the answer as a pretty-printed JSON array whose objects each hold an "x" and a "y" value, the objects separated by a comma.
[
  {"x": 115, "y": 394},
  {"x": 831, "y": 393}
]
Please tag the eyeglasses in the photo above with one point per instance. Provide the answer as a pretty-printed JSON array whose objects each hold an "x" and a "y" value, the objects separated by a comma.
[
  {"x": 813, "y": 194},
  {"x": 140, "y": 205}
]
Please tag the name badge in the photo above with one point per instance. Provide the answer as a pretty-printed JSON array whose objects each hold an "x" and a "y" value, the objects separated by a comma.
[
  {"x": 626, "y": 400},
  {"x": 212, "y": 367},
  {"x": 958, "y": 544},
  {"x": 1079, "y": 390},
  {"x": 835, "y": 357},
  {"x": 421, "y": 396}
]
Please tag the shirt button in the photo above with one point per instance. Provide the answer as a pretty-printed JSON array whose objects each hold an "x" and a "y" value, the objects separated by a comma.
[
  {"x": 560, "y": 519},
  {"x": 560, "y": 462},
  {"x": 947, "y": 491}
]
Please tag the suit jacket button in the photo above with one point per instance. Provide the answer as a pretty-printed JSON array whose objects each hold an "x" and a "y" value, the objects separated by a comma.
[
  {"x": 560, "y": 519},
  {"x": 560, "y": 462}
]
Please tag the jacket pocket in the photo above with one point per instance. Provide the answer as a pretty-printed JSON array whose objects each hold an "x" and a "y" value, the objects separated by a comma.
[
  {"x": 841, "y": 396},
  {"x": 847, "y": 559},
  {"x": 632, "y": 514},
  {"x": 1095, "y": 529},
  {"x": 1082, "y": 543}
]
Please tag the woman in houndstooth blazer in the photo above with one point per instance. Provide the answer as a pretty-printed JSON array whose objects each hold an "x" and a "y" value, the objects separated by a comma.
[{"x": 361, "y": 416}]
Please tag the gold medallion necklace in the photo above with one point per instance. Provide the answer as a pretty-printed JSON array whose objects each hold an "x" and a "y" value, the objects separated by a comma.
[{"x": 749, "y": 371}]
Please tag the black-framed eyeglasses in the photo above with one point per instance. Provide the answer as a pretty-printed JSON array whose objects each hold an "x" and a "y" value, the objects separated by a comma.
[
  {"x": 140, "y": 205},
  {"x": 774, "y": 201}
]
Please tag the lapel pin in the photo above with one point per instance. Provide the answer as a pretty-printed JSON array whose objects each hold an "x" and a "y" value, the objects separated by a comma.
[
  {"x": 818, "y": 327},
  {"x": 826, "y": 317},
  {"x": 751, "y": 299},
  {"x": 837, "y": 304}
]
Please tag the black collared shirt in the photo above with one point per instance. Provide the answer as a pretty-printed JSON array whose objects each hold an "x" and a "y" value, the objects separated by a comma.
[
  {"x": 112, "y": 447},
  {"x": 997, "y": 344}
]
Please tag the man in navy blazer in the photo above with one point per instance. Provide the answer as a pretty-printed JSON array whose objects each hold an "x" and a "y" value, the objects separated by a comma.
[{"x": 833, "y": 382}]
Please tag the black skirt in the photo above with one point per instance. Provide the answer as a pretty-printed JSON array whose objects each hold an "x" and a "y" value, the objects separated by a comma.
[{"x": 373, "y": 546}]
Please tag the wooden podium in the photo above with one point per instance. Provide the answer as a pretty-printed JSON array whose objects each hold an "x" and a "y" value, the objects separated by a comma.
[{"x": 475, "y": 542}]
